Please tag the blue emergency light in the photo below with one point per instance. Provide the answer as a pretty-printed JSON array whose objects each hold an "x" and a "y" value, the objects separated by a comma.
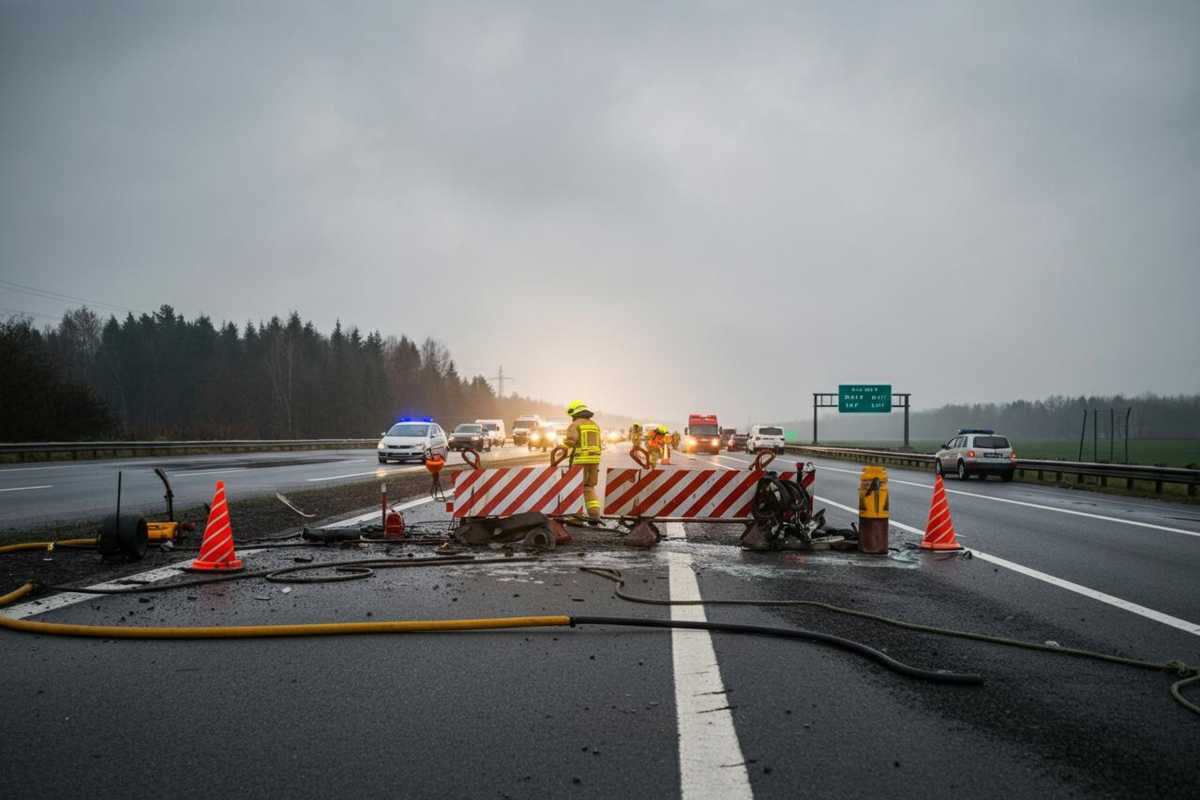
[
  {"x": 985, "y": 431},
  {"x": 415, "y": 419}
]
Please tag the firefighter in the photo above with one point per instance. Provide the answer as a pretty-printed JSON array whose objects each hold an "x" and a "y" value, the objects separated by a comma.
[
  {"x": 658, "y": 444},
  {"x": 584, "y": 439}
]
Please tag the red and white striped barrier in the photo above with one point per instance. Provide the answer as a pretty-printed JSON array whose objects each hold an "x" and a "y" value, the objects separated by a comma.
[
  {"x": 682, "y": 494},
  {"x": 504, "y": 491}
]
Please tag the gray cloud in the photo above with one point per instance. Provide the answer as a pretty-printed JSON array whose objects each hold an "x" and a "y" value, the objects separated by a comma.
[{"x": 697, "y": 205}]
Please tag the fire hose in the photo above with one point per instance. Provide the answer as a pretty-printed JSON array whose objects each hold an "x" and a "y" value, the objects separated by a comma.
[
  {"x": 1187, "y": 675},
  {"x": 364, "y": 568}
]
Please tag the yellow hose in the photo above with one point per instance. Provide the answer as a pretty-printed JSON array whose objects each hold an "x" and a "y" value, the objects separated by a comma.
[
  {"x": 47, "y": 546},
  {"x": 258, "y": 631}
]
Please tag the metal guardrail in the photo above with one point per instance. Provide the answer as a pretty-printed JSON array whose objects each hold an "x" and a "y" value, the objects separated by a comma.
[
  {"x": 50, "y": 451},
  {"x": 1081, "y": 470}
]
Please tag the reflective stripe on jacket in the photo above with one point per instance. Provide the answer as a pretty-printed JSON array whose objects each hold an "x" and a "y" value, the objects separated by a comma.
[{"x": 584, "y": 437}]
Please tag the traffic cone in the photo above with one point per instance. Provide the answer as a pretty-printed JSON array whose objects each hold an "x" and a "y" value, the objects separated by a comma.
[
  {"x": 216, "y": 550},
  {"x": 939, "y": 530},
  {"x": 393, "y": 526},
  {"x": 666, "y": 459}
]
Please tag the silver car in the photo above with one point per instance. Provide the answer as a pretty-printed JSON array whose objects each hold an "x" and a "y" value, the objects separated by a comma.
[
  {"x": 976, "y": 451},
  {"x": 412, "y": 441}
]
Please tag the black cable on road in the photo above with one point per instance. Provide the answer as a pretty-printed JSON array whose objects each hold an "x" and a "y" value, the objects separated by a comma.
[
  {"x": 1178, "y": 668},
  {"x": 937, "y": 676}
]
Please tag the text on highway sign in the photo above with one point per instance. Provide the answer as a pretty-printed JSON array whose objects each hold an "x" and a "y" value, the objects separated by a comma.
[{"x": 865, "y": 398}]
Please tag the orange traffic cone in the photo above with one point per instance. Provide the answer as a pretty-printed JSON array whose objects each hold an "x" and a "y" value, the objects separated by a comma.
[
  {"x": 939, "y": 530},
  {"x": 666, "y": 459},
  {"x": 216, "y": 551}
]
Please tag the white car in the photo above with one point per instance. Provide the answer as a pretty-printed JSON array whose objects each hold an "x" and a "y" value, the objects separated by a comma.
[
  {"x": 495, "y": 430},
  {"x": 409, "y": 440},
  {"x": 765, "y": 437},
  {"x": 976, "y": 451}
]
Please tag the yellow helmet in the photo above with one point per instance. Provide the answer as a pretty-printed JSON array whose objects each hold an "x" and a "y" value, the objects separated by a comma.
[
  {"x": 576, "y": 407},
  {"x": 661, "y": 429}
]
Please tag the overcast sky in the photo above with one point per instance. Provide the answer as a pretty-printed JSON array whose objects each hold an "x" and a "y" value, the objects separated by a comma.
[{"x": 656, "y": 208}]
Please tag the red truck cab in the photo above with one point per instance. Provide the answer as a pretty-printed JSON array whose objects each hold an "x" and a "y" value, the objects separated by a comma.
[{"x": 702, "y": 434}]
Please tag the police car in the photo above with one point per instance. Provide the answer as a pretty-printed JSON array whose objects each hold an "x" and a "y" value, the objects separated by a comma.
[
  {"x": 412, "y": 438},
  {"x": 976, "y": 451}
]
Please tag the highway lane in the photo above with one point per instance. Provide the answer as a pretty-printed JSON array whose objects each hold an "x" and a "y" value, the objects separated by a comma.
[
  {"x": 60, "y": 492},
  {"x": 1086, "y": 538},
  {"x": 523, "y": 714}
]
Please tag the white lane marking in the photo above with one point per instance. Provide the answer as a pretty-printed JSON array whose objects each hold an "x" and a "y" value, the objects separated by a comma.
[
  {"x": 1070, "y": 586},
  {"x": 374, "y": 513},
  {"x": 205, "y": 472},
  {"x": 382, "y": 472},
  {"x": 65, "y": 599},
  {"x": 711, "y": 764},
  {"x": 1038, "y": 506},
  {"x": 27, "y": 488},
  {"x": 675, "y": 530}
]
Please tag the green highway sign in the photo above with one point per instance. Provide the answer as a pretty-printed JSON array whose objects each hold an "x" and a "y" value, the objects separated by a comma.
[{"x": 873, "y": 398}]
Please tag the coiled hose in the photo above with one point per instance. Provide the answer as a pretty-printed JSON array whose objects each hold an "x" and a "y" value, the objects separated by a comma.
[{"x": 1187, "y": 675}]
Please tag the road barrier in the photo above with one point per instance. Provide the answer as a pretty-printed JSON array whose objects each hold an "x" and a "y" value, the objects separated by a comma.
[
  {"x": 506, "y": 491},
  {"x": 50, "y": 451},
  {"x": 682, "y": 494},
  {"x": 1081, "y": 470}
]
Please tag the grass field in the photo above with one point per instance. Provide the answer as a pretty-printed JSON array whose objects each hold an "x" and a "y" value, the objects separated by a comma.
[{"x": 1160, "y": 452}]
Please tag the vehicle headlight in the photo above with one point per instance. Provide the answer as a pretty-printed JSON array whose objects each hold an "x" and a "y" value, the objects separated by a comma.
[
  {"x": 380, "y": 446},
  {"x": 716, "y": 442},
  {"x": 535, "y": 436},
  {"x": 691, "y": 440}
]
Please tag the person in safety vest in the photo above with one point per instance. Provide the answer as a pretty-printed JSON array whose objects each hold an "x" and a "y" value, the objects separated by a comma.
[
  {"x": 635, "y": 434},
  {"x": 583, "y": 437},
  {"x": 658, "y": 444}
]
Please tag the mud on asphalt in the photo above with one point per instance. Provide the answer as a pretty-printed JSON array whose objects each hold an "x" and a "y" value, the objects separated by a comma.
[{"x": 252, "y": 518}]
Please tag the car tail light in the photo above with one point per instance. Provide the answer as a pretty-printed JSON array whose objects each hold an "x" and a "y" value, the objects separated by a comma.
[{"x": 970, "y": 454}]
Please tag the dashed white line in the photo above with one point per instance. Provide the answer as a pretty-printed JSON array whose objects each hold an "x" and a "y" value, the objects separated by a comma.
[
  {"x": 381, "y": 472},
  {"x": 206, "y": 472},
  {"x": 711, "y": 764},
  {"x": 27, "y": 488},
  {"x": 374, "y": 513}
]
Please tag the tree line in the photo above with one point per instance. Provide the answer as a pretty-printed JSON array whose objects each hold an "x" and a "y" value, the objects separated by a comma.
[
  {"x": 1054, "y": 418},
  {"x": 161, "y": 376}
]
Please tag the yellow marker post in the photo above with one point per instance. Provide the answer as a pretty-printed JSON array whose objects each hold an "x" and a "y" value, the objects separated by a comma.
[{"x": 873, "y": 510}]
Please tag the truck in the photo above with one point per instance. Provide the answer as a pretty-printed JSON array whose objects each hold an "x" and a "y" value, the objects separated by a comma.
[
  {"x": 702, "y": 434},
  {"x": 523, "y": 426}
]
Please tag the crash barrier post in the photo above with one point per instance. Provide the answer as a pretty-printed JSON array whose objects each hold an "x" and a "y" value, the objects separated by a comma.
[
  {"x": 873, "y": 510},
  {"x": 1130, "y": 473},
  {"x": 679, "y": 495},
  {"x": 506, "y": 491}
]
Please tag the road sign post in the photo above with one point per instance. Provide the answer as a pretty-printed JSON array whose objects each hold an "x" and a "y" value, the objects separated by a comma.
[{"x": 859, "y": 398}]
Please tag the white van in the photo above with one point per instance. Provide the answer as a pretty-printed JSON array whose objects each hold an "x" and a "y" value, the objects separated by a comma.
[
  {"x": 765, "y": 437},
  {"x": 495, "y": 430}
]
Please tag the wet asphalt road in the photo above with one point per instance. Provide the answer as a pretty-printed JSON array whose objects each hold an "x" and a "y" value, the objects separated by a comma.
[
  {"x": 593, "y": 712},
  {"x": 69, "y": 490}
]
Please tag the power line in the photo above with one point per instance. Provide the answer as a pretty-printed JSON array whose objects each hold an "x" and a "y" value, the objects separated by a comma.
[
  {"x": 26, "y": 312},
  {"x": 53, "y": 295}
]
